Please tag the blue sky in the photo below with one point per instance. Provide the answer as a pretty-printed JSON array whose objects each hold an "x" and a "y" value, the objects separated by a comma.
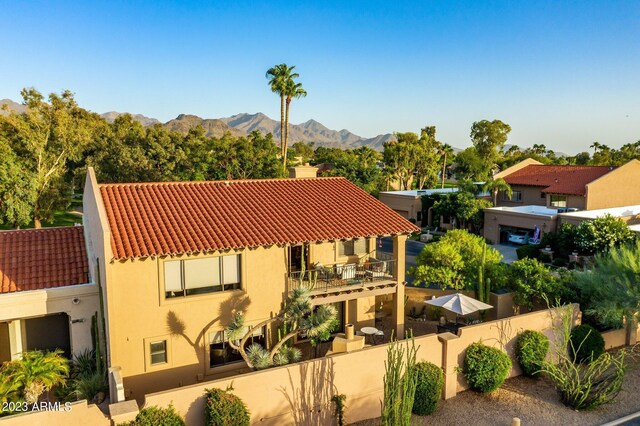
[{"x": 560, "y": 73}]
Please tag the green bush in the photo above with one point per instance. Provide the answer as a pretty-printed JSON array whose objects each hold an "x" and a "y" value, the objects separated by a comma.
[
  {"x": 428, "y": 389},
  {"x": 602, "y": 234},
  {"x": 485, "y": 368},
  {"x": 225, "y": 409},
  {"x": 531, "y": 351},
  {"x": 532, "y": 282},
  {"x": 586, "y": 345},
  {"x": 531, "y": 251},
  {"x": 156, "y": 416}
]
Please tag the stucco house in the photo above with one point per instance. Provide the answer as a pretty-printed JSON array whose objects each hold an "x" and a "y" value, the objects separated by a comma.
[
  {"x": 178, "y": 259},
  {"x": 541, "y": 192},
  {"x": 47, "y": 296}
]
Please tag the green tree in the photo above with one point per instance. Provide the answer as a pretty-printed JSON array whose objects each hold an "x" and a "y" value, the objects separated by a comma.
[
  {"x": 469, "y": 165},
  {"x": 44, "y": 139},
  {"x": 401, "y": 156},
  {"x": 454, "y": 261},
  {"x": 17, "y": 192},
  {"x": 464, "y": 206},
  {"x": 35, "y": 373},
  {"x": 602, "y": 234},
  {"x": 532, "y": 282},
  {"x": 427, "y": 158},
  {"x": 302, "y": 150},
  {"x": 488, "y": 138}
]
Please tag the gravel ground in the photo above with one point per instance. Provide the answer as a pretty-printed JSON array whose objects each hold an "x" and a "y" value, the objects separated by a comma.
[{"x": 534, "y": 401}]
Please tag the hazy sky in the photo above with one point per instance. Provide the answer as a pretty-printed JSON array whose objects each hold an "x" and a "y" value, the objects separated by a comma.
[{"x": 560, "y": 73}]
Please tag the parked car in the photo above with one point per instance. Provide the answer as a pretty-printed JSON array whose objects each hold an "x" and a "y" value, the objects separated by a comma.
[{"x": 519, "y": 237}]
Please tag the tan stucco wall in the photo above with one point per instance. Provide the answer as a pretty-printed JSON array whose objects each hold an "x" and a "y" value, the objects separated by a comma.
[
  {"x": 530, "y": 196},
  {"x": 79, "y": 414},
  {"x": 138, "y": 310},
  {"x": 615, "y": 189},
  {"x": 37, "y": 303},
  {"x": 402, "y": 203}
]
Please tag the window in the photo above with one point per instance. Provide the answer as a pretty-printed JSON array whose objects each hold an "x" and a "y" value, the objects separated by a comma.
[
  {"x": 199, "y": 276},
  {"x": 543, "y": 195},
  {"x": 353, "y": 247},
  {"x": 158, "y": 352},
  {"x": 516, "y": 196},
  {"x": 558, "y": 200},
  {"x": 221, "y": 353}
]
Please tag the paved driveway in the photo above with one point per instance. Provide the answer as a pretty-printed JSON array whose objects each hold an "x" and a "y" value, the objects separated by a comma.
[{"x": 508, "y": 252}]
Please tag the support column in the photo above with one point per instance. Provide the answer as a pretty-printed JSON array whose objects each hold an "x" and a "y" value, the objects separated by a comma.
[
  {"x": 399, "y": 254},
  {"x": 15, "y": 339},
  {"x": 449, "y": 365}
]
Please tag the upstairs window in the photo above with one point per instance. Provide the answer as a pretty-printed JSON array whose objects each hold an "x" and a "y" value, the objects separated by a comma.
[
  {"x": 558, "y": 200},
  {"x": 199, "y": 276},
  {"x": 353, "y": 247},
  {"x": 516, "y": 196}
]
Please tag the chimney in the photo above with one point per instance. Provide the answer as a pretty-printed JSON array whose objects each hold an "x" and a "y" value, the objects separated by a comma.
[{"x": 305, "y": 171}]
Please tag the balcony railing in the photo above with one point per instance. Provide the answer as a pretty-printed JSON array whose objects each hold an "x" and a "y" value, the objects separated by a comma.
[{"x": 326, "y": 278}]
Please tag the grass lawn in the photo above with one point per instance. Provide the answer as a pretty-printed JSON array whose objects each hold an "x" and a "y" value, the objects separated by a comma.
[{"x": 60, "y": 218}]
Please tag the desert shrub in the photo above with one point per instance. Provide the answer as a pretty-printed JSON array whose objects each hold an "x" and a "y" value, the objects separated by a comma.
[
  {"x": 530, "y": 251},
  {"x": 586, "y": 343},
  {"x": 399, "y": 383},
  {"x": 156, "y": 416},
  {"x": 582, "y": 386},
  {"x": 485, "y": 368},
  {"x": 428, "y": 388},
  {"x": 223, "y": 408},
  {"x": 531, "y": 351}
]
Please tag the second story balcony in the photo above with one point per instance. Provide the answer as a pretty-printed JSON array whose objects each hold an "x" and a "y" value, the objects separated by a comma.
[{"x": 343, "y": 277}]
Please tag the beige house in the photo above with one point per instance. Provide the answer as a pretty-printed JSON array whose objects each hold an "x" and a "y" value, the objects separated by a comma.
[
  {"x": 408, "y": 204},
  {"x": 47, "y": 297},
  {"x": 540, "y": 192},
  {"x": 177, "y": 260}
]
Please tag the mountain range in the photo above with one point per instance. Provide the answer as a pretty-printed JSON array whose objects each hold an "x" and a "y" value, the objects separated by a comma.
[{"x": 244, "y": 123}]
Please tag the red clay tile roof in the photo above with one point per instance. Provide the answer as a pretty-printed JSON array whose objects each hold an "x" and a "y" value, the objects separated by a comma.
[
  {"x": 34, "y": 259},
  {"x": 155, "y": 219},
  {"x": 570, "y": 180}
]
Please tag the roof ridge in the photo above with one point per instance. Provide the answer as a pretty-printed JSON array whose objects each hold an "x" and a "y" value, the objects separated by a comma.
[
  {"x": 48, "y": 228},
  {"x": 220, "y": 182}
]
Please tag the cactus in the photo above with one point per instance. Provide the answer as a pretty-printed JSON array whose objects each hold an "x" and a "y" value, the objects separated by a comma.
[{"x": 484, "y": 284}]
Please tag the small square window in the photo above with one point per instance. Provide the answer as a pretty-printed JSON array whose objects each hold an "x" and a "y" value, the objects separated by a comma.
[{"x": 158, "y": 351}]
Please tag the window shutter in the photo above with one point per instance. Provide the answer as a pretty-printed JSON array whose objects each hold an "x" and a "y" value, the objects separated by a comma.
[
  {"x": 200, "y": 273},
  {"x": 231, "y": 269},
  {"x": 172, "y": 276}
]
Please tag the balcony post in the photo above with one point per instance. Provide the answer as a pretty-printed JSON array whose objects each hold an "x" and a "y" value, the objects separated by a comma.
[{"x": 399, "y": 255}]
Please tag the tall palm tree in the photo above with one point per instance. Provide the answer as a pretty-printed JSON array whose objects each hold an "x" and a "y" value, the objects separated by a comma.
[
  {"x": 496, "y": 185},
  {"x": 445, "y": 150},
  {"x": 596, "y": 146},
  {"x": 36, "y": 372},
  {"x": 279, "y": 78},
  {"x": 293, "y": 90}
]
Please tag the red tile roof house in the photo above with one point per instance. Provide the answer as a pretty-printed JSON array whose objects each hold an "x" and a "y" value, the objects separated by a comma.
[
  {"x": 47, "y": 297},
  {"x": 178, "y": 259},
  {"x": 541, "y": 192}
]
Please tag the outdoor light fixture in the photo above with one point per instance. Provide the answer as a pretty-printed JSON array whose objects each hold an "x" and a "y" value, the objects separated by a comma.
[{"x": 379, "y": 242}]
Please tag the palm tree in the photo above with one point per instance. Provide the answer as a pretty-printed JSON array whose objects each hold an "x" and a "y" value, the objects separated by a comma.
[
  {"x": 614, "y": 284},
  {"x": 36, "y": 372},
  {"x": 280, "y": 80},
  {"x": 596, "y": 146},
  {"x": 445, "y": 150},
  {"x": 496, "y": 185},
  {"x": 293, "y": 90}
]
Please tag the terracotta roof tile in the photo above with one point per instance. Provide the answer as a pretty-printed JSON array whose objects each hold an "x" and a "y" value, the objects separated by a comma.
[
  {"x": 570, "y": 180},
  {"x": 34, "y": 259},
  {"x": 155, "y": 219}
]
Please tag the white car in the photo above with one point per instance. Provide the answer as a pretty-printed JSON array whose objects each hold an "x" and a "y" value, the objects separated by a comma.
[{"x": 519, "y": 237}]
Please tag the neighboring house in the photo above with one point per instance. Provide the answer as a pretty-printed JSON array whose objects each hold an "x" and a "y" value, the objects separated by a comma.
[
  {"x": 540, "y": 192},
  {"x": 47, "y": 297},
  {"x": 629, "y": 214},
  {"x": 178, "y": 259},
  {"x": 408, "y": 204}
]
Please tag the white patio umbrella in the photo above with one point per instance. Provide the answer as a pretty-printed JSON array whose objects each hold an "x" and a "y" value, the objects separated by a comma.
[{"x": 459, "y": 304}]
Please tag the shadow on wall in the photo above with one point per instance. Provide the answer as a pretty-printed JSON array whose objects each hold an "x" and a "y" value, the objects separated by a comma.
[
  {"x": 310, "y": 400},
  {"x": 156, "y": 381}
]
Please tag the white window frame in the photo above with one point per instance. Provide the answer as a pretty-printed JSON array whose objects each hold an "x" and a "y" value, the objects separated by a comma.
[{"x": 216, "y": 285}]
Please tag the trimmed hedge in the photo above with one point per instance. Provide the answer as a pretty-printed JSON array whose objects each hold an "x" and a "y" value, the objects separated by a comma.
[
  {"x": 531, "y": 351},
  {"x": 156, "y": 416},
  {"x": 225, "y": 409},
  {"x": 531, "y": 251},
  {"x": 485, "y": 368},
  {"x": 587, "y": 344},
  {"x": 430, "y": 381}
]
